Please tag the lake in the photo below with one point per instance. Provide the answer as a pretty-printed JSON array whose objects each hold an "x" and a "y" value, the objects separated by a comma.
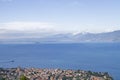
[{"x": 103, "y": 57}]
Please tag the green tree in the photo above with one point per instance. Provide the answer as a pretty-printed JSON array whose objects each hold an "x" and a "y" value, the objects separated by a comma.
[
  {"x": 23, "y": 77},
  {"x": 2, "y": 78}
]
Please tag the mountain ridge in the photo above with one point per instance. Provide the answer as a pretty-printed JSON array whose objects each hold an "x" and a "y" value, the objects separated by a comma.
[{"x": 113, "y": 36}]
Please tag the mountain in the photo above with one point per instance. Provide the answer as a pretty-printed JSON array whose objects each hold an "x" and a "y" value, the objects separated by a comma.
[
  {"x": 84, "y": 37},
  {"x": 99, "y": 37},
  {"x": 62, "y": 38}
]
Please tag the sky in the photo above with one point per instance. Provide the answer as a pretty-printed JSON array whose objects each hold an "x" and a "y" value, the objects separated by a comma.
[{"x": 59, "y": 16}]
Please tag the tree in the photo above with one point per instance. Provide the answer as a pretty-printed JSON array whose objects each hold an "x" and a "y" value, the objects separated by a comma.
[
  {"x": 23, "y": 77},
  {"x": 2, "y": 78}
]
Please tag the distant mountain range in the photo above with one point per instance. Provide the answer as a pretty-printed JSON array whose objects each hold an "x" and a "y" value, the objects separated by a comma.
[{"x": 68, "y": 38}]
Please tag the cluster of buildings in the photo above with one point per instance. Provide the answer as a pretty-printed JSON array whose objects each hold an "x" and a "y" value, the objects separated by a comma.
[{"x": 50, "y": 74}]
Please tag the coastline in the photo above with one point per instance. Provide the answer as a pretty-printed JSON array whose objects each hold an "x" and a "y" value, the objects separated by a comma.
[{"x": 51, "y": 74}]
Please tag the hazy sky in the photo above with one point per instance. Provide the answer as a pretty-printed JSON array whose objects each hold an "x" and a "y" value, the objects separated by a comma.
[{"x": 60, "y": 15}]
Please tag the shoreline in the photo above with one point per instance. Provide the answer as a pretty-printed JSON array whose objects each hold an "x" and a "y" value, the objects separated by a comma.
[{"x": 19, "y": 73}]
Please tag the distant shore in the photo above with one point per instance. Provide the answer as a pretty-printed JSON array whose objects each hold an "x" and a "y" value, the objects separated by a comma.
[{"x": 50, "y": 74}]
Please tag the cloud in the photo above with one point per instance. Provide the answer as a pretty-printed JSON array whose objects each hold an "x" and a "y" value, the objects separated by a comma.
[
  {"x": 27, "y": 26},
  {"x": 14, "y": 30}
]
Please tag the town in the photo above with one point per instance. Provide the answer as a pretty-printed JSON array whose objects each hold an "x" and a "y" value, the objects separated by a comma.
[{"x": 50, "y": 74}]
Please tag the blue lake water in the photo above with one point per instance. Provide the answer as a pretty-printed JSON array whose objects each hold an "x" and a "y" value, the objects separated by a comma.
[{"x": 103, "y": 57}]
